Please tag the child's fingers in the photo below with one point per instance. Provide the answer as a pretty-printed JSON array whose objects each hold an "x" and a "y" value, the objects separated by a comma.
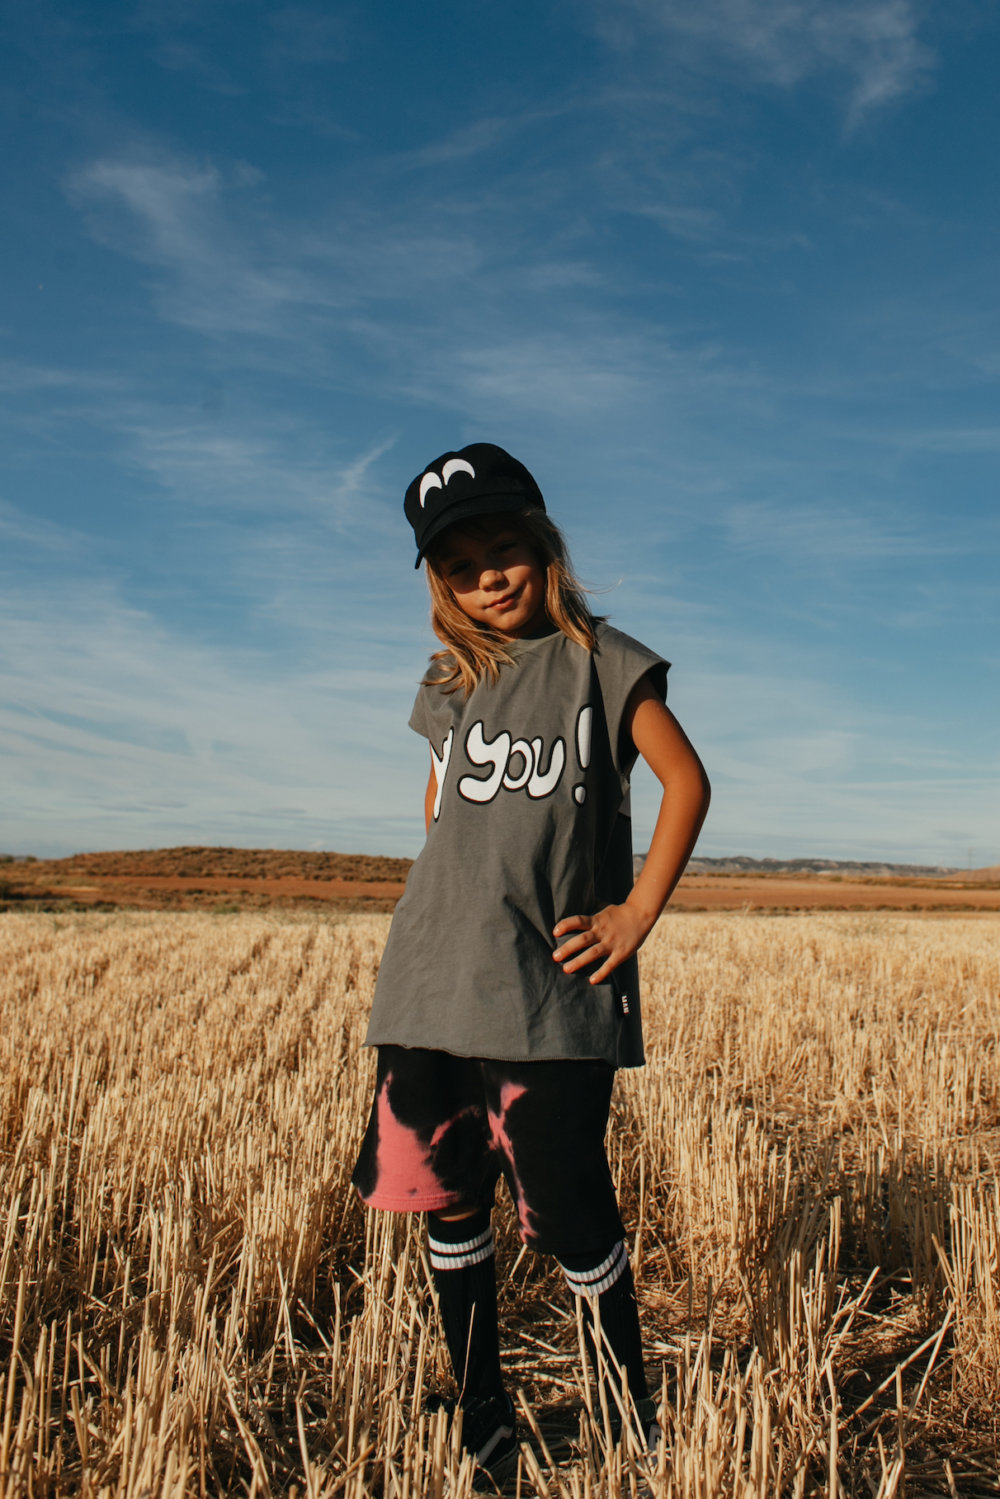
[
  {"x": 598, "y": 952},
  {"x": 587, "y": 939},
  {"x": 584, "y": 958},
  {"x": 570, "y": 924},
  {"x": 583, "y": 951},
  {"x": 578, "y": 933},
  {"x": 607, "y": 938},
  {"x": 605, "y": 971}
]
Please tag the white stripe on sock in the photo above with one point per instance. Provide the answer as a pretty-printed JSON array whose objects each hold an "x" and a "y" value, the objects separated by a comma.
[
  {"x": 593, "y": 1283},
  {"x": 456, "y": 1256}
]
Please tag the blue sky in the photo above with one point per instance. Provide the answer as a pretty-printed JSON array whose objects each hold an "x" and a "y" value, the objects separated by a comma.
[{"x": 723, "y": 273}]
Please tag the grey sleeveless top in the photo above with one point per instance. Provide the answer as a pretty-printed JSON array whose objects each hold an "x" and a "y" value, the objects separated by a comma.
[{"x": 531, "y": 824}]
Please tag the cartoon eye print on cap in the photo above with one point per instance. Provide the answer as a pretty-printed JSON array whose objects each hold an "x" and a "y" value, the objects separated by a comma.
[{"x": 431, "y": 480}]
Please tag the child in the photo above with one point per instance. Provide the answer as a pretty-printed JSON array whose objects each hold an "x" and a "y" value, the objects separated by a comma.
[{"x": 507, "y": 993}]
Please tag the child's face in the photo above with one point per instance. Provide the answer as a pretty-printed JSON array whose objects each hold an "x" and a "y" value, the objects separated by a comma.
[{"x": 495, "y": 576}]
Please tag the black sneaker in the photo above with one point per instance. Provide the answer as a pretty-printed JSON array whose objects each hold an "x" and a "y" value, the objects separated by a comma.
[
  {"x": 645, "y": 1424},
  {"x": 489, "y": 1435},
  {"x": 649, "y": 1423}
]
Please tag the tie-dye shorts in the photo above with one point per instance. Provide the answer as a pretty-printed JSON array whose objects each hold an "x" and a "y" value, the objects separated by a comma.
[{"x": 444, "y": 1129}]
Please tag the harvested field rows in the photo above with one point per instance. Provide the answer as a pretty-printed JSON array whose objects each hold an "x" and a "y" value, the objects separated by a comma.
[{"x": 192, "y": 1302}]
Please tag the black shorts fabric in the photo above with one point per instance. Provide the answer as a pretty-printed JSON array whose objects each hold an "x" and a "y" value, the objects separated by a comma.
[{"x": 443, "y": 1129}]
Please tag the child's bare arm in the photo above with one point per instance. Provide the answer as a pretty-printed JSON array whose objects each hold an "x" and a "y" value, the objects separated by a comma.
[
  {"x": 613, "y": 934},
  {"x": 429, "y": 797}
]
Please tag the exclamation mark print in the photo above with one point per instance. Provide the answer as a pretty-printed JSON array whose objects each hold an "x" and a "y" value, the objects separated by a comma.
[{"x": 583, "y": 724}]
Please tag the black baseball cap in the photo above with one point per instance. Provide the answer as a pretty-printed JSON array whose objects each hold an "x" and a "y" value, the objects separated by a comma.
[{"x": 481, "y": 479}]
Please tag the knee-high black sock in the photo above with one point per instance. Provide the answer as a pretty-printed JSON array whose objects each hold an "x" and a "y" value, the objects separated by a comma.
[
  {"x": 605, "y": 1285},
  {"x": 464, "y": 1269}
]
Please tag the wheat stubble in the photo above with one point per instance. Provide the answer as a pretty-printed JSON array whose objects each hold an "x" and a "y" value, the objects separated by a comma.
[{"x": 191, "y": 1301}]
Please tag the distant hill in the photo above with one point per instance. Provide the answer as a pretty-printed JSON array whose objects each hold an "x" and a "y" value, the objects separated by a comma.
[
  {"x": 741, "y": 864},
  {"x": 222, "y": 881},
  {"x": 271, "y": 863},
  {"x": 195, "y": 862},
  {"x": 214, "y": 879}
]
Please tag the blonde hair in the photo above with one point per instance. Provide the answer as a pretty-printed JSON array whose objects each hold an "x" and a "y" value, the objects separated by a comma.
[{"x": 471, "y": 650}]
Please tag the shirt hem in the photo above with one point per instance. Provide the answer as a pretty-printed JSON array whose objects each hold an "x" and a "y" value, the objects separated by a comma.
[
  {"x": 494, "y": 1056},
  {"x": 422, "y": 1203}
]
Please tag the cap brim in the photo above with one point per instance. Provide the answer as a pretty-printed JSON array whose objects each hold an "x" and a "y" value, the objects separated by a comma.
[{"x": 479, "y": 507}]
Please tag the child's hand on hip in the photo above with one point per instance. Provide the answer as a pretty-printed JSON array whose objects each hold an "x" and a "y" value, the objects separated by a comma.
[{"x": 612, "y": 935}]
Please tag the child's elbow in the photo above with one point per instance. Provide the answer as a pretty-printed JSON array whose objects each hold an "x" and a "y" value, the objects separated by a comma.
[{"x": 701, "y": 790}]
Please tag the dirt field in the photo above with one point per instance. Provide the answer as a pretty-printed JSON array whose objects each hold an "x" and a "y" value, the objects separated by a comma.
[
  {"x": 255, "y": 879},
  {"x": 780, "y": 892},
  {"x": 193, "y": 1303}
]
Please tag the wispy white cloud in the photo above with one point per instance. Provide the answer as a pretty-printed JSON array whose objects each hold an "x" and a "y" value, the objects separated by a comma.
[
  {"x": 595, "y": 361},
  {"x": 552, "y": 374},
  {"x": 223, "y": 266},
  {"x": 39, "y": 535},
  {"x": 120, "y": 732},
  {"x": 354, "y": 477},
  {"x": 698, "y": 224},
  {"x": 431, "y": 303},
  {"x": 953, "y": 439},
  {"x": 873, "y": 44},
  {"x": 821, "y": 533},
  {"x": 309, "y": 35},
  {"x": 183, "y": 221},
  {"x": 250, "y": 460},
  {"x": 23, "y": 377},
  {"x": 186, "y": 36},
  {"x": 271, "y": 468},
  {"x": 802, "y": 767},
  {"x": 182, "y": 55},
  {"x": 117, "y": 728},
  {"x": 471, "y": 139},
  {"x": 711, "y": 229}
]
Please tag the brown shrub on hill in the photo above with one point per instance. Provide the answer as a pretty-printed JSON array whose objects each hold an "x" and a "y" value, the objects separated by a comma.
[{"x": 190, "y": 861}]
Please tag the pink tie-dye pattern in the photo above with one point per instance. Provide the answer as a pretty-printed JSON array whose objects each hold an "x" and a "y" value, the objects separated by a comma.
[
  {"x": 443, "y": 1129},
  {"x": 404, "y": 1164},
  {"x": 509, "y": 1094}
]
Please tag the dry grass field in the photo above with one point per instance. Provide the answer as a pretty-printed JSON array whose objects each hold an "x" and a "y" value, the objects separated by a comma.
[{"x": 192, "y": 1302}]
